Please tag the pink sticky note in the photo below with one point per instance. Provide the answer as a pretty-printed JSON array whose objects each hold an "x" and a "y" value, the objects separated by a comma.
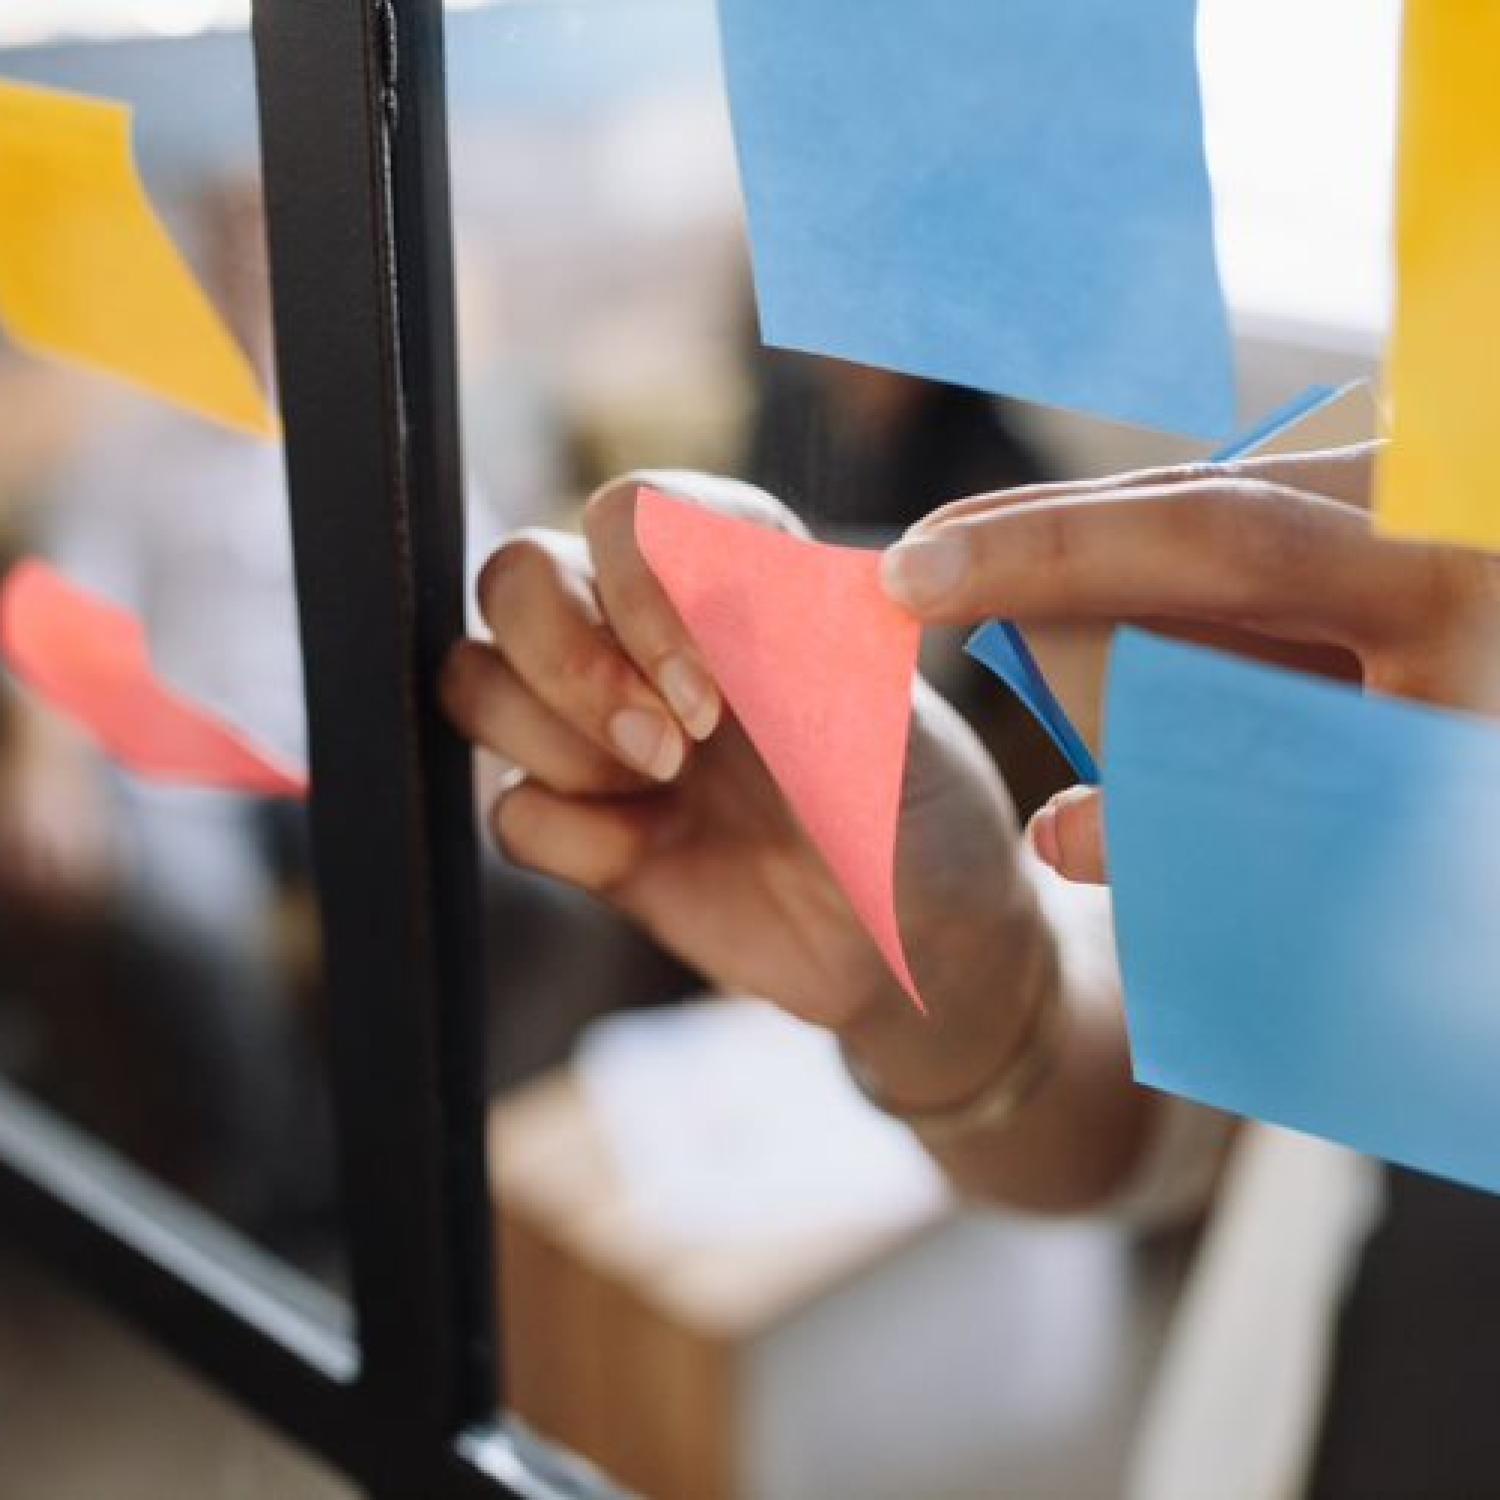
[
  {"x": 88, "y": 660},
  {"x": 817, "y": 664}
]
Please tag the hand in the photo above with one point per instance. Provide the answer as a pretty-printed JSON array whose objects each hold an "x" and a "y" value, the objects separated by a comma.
[
  {"x": 640, "y": 787},
  {"x": 1249, "y": 557}
]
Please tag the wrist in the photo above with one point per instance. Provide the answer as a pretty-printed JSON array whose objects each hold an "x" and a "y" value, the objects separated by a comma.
[
  {"x": 973, "y": 1034},
  {"x": 995, "y": 1103}
]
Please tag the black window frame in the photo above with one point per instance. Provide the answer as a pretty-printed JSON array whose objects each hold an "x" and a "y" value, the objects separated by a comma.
[{"x": 403, "y": 1395}]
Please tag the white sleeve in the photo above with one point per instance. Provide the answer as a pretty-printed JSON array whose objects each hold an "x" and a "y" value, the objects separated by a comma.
[{"x": 1179, "y": 1169}]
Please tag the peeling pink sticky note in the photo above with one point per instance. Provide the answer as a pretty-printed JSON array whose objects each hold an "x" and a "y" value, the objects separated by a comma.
[
  {"x": 88, "y": 660},
  {"x": 817, "y": 664}
]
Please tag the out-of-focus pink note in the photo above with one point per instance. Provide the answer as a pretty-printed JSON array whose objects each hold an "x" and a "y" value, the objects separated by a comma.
[
  {"x": 817, "y": 664},
  {"x": 88, "y": 661}
]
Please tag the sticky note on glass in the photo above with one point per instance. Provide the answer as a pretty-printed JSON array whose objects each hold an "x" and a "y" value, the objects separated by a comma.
[
  {"x": 1304, "y": 885},
  {"x": 1012, "y": 197},
  {"x": 1440, "y": 479},
  {"x": 88, "y": 661},
  {"x": 817, "y": 664},
  {"x": 88, "y": 272}
]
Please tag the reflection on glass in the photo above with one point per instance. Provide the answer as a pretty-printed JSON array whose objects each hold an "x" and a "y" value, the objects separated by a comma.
[
  {"x": 160, "y": 977},
  {"x": 693, "y": 1206}
]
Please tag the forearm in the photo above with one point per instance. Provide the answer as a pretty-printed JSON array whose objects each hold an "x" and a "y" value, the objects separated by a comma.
[{"x": 1077, "y": 1136}]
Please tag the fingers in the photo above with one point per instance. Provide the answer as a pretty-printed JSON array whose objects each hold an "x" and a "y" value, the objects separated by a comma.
[
  {"x": 972, "y": 507},
  {"x": 537, "y": 598},
  {"x": 592, "y": 681},
  {"x": 1068, "y": 835},
  {"x": 638, "y": 610},
  {"x": 1337, "y": 474},
  {"x": 1235, "y": 552},
  {"x": 490, "y": 705},
  {"x": 642, "y": 617},
  {"x": 594, "y": 845}
]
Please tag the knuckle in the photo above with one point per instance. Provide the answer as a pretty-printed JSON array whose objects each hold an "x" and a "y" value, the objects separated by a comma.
[
  {"x": 1056, "y": 539},
  {"x": 576, "y": 769},
  {"x": 587, "y": 666},
  {"x": 1249, "y": 524},
  {"x": 1460, "y": 583},
  {"x": 577, "y": 778},
  {"x": 1452, "y": 600},
  {"x": 458, "y": 679},
  {"x": 636, "y": 607},
  {"x": 619, "y": 856},
  {"x": 1438, "y": 600}
]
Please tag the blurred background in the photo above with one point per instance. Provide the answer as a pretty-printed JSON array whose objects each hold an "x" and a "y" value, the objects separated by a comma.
[{"x": 694, "y": 1300}]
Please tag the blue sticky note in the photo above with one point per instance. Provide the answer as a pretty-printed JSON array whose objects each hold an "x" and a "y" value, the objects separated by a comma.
[
  {"x": 1305, "y": 885},
  {"x": 1005, "y": 194},
  {"x": 1002, "y": 648}
]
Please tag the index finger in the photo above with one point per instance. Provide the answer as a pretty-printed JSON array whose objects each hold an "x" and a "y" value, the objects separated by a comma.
[
  {"x": 1337, "y": 473},
  {"x": 1234, "y": 552},
  {"x": 636, "y": 607}
]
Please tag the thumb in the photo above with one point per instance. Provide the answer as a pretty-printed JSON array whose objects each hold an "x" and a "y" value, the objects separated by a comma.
[{"x": 1068, "y": 835}]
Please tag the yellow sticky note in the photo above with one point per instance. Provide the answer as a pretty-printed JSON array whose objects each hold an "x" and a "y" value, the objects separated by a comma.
[
  {"x": 88, "y": 272},
  {"x": 1440, "y": 479}
]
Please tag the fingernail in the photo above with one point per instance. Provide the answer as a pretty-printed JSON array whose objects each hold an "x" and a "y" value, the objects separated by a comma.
[
  {"x": 692, "y": 694},
  {"x": 648, "y": 741},
  {"x": 922, "y": 572},
  {"x": 1044, "y": 836},
  {"x": 1070, "y": 795}
]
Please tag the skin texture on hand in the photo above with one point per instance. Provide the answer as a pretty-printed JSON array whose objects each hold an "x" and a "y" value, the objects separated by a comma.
[
  {"x": 1276, "y": 559},
  {"x": 640, "y": 787},
  {"x": 654, "y": 811}
]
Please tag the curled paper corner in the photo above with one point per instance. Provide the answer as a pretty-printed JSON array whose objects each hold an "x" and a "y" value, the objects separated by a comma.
[
  {"x": 88, "y": 661},
  {"x": 817, "y": 664}
]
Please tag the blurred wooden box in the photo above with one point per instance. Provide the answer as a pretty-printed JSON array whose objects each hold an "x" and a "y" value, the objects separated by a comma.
[
  {"x": 950, "y": 1353},
  {"x": 620, "y": 1344}
]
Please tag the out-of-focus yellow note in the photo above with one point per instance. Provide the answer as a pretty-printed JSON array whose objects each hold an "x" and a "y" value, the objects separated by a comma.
[
  {"x": 1440, "y": 478},
  {"x": 88, "y": 272}
]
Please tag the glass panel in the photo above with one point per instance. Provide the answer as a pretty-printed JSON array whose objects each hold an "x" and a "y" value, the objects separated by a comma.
[
  {"x": 160, "y": 975},
  {"x": 607, "y": 322},
  {"x": 713, "y": 1277}
]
